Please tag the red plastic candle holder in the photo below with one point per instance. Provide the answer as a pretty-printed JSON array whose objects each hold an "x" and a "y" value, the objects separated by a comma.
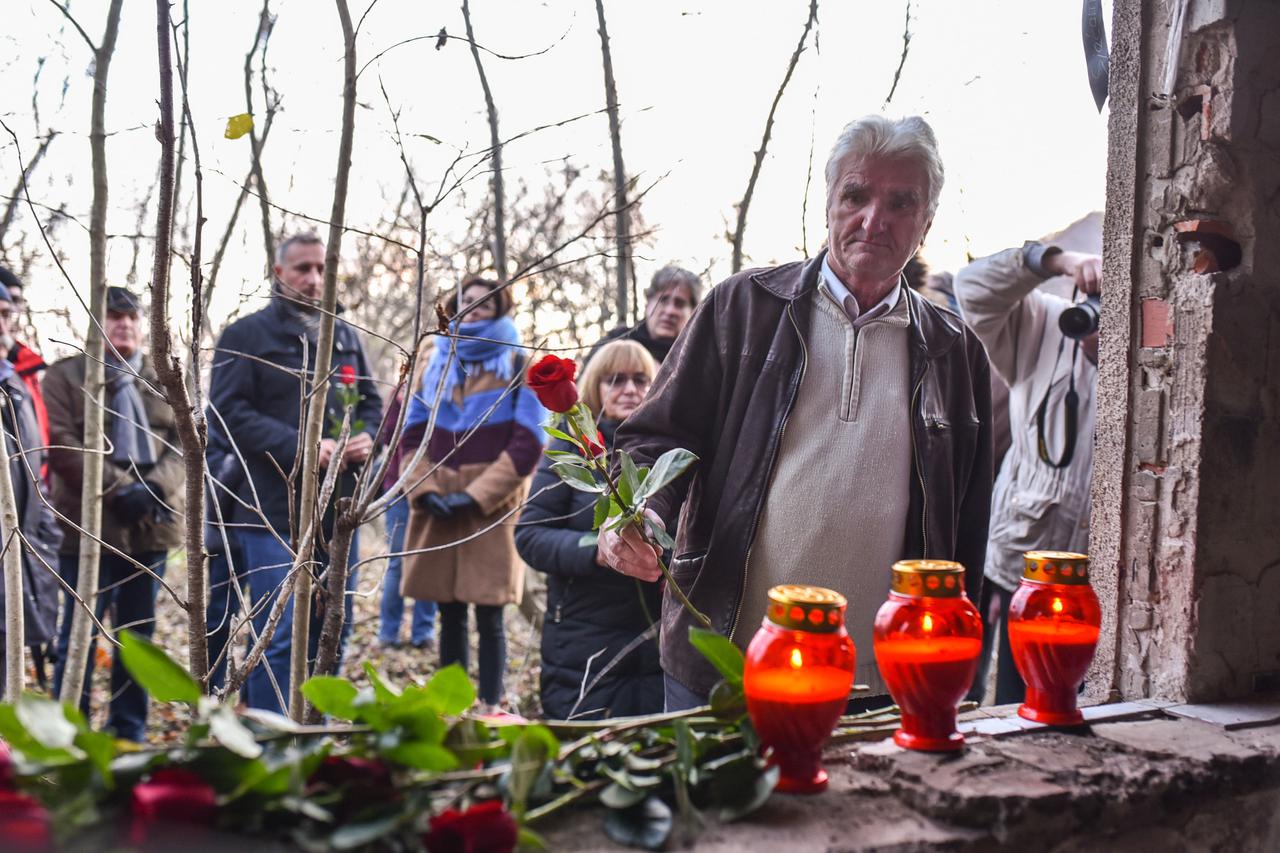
[
  {"x": 1053, "y": 629},
  {"x": 798, "y": 673},
  {"x": 928, "y": 638}
]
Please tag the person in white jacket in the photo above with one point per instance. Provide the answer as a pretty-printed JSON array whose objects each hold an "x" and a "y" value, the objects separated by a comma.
[{"x": 1041, "y": 495}]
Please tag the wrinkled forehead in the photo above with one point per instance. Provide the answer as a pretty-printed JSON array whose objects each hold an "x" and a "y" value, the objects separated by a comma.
[{"x": 896, "y": 175}]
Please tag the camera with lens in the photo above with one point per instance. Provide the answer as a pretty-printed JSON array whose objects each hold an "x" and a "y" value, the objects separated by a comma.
[{"x": 1081, "y": 319}]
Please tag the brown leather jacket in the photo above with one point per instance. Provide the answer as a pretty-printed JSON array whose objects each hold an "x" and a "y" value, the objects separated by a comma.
[{"x": 725, "y": 393}]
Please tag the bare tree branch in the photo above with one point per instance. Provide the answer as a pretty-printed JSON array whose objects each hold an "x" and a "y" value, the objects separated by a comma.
[
  {"x": 741, "y": 229},
  {"x": 906, "y": 43},
  {"x": 66, "y": 13},
  {"x": 495, "y": 143},
  {"x": 622, "y": 226},
  {"x": 11, "y": 208}
]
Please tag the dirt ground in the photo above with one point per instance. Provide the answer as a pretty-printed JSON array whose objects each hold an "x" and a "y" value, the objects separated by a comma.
[{"x": 400, "y": 665}]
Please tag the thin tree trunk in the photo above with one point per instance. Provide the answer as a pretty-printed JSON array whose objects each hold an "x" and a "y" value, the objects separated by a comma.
[
  {"x": 265, "y": 24},
  {"x": 743, "y": 205},
  {"x": 168, "y": 367},
  {"x": 495, "y": 146},
  {"x": 15, "y": 667},
  {"x": 622, "y": 219},
  {"x": 12, "y": 207},
  {"x": 309, "y": 513},
  {"x": 95, "y": 378}
]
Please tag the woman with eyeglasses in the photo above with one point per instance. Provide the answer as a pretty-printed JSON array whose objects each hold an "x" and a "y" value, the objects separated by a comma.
[{"x": 594, "y": 614}]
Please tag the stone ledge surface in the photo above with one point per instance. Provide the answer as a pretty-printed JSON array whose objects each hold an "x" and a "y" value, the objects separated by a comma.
[{"x": 1121, "y": 784}]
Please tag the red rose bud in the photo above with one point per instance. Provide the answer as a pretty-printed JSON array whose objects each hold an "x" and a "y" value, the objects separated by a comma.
[
  {"x": 484, "y": 828},
  {"x": 24, "y": 823},
  {"x": 363, "y": 782},
  {"x": 551, "y": 379},
  {"x": 171, "y": 796},
  {"x": 593, "y": 448},
  {"x": 347, "y": 374}
]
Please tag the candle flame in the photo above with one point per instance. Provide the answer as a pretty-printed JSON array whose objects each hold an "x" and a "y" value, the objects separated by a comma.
[
  {"x": 796, "y": 660},
  {"x": 1057, "y": 605},
  {"x": 927, "y": 623}
]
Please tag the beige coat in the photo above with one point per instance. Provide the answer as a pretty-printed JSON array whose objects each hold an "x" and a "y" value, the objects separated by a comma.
[{"x": 493, "y": 465}]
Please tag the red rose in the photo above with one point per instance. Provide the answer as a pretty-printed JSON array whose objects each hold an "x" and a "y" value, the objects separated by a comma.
[
  {"x": 24, "y": 823},
  {"x": 593, "y": 448},
  {"x": 484, "y": 828},
  {"x": 347, "y": 374},
  {"x": 551, "y": 379},
  {"x": 172, "y": 795},
  {"x": 363, "y": 782}
]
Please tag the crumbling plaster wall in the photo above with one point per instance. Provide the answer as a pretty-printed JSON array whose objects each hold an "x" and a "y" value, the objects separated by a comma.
[{"x": 1186, "y": 525}]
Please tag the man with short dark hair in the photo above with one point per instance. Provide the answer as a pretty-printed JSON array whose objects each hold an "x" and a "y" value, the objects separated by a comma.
[
  {"x": 669, "y": 302},
  {"x": 841, "y": 421},
  {"x": 256, "y": 391},
  {"x": 143, "y": 497},
  {"x": 23, "y": 446}
]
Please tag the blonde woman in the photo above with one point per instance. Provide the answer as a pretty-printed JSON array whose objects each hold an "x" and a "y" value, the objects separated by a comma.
[{"x": 593, "y": 613}]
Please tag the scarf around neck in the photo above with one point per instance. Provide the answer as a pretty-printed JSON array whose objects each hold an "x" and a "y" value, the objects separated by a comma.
[{"x": 130, "y": 431}]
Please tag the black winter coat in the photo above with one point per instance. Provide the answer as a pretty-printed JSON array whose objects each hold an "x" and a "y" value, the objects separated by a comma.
[
  {"x": 592, "y": 611},
  {"x": 254, "y": 388}
]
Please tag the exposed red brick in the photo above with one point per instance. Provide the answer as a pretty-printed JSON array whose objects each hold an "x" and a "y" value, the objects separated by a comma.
[{"x": 1157, "y": 323}]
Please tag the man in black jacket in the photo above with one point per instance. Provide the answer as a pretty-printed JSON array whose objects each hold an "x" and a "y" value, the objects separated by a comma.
[
  {"x": 256, "y": 394},
  {"x": 22, "y": 446},
  {"x": 841, "y": 421},
  {"x": 669, "y": 302}
]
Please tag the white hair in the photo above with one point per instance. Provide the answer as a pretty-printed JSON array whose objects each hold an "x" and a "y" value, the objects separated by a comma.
[
  {"x": 305, "y": 238},
  {"x": 876, "y": 136}
]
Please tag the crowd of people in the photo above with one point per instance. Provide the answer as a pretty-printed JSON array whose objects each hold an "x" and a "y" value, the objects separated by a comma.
[{"x": 840, "y": 408}]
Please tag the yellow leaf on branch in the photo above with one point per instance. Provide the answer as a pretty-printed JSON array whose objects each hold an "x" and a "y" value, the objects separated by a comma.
[{"x": 238, "y": 126}]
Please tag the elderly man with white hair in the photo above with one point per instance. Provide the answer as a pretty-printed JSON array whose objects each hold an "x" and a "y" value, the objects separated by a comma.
[{"x": 841, "y": 421}]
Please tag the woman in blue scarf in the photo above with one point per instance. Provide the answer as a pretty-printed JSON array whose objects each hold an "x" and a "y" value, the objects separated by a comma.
[{"x": 465, "y": 491}]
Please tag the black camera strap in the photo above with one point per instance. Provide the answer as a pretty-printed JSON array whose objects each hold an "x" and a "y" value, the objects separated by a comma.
[{"x": 1070, "y": 410}]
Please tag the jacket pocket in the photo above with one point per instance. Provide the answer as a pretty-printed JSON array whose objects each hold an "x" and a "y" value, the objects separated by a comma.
[{"x": 685, "y": 568}]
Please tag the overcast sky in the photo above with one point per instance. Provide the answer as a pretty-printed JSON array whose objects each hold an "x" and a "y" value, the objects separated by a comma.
[{"x": 1002, "y": 82}]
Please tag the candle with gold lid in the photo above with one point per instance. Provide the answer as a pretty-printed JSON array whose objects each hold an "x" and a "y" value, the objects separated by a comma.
[
  {"x": 1054, "y": 619},
  {"x": 797, "y": 677},
  {"x": 928, "y": 637}
]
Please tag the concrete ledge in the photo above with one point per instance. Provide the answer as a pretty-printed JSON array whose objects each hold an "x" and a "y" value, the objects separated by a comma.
[{"x": 1133, "y": 779}]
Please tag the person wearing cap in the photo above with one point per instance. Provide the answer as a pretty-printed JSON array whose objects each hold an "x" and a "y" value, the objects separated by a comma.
[
  {"x": 26, "y": 361},
  {"x": 259, "y": 364},
  {"x": 23, "y": 446},
  {"x": 142, "y": 493}
]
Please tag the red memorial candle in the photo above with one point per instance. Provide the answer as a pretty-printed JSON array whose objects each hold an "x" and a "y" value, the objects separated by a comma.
[
  {"x": 1053, "y": 630},
  {"x": 928, "y": 637},
  {"x": 798, "y": 673}
]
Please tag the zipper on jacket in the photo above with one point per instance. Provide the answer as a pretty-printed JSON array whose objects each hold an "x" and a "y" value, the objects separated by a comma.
[
  {"x": 915, "y": 458},
  {"x": 755, "y": 522}
]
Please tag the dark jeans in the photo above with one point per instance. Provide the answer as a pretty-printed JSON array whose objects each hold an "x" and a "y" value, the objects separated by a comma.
[
  {"x": 455, "y": 646},
  {"x": 422, "y": 628},
  {"x": 132, "y": 594},
  {"x": 221, "y": 612},
  {"x": 1009, "y": 686},
  {"x": 266, "y": 564}
]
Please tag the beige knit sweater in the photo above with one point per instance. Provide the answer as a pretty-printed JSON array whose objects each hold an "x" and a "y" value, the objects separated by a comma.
[{"x": 836, "y": 507}]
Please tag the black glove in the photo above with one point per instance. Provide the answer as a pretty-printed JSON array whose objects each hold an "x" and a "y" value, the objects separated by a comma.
[
  {"x": 446, "y": 506},
  {"x": 138, "y": 501},
  {"x": 433, "y": 504}
]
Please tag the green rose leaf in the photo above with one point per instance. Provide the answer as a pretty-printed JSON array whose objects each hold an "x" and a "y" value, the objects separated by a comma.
[
  {"x": 602, "y": 512},
  {"x": 616, "y": 796},
  {"x": 422, "y": 756},
  {"x": 155, "y": 672},
  {"x": 45, "y": 721},
  {"x": 629, "y": 482},
  {"x": 331, "y": 695},
  {"x": 577, "y": 478},
  {"x": 226, "y": 729},
  {"x": 670, "y": 465},
  {"x": 720, "y": 652},
  {"x": 646, "y": 825},
  {"x": 451, "y": 691},
  {"x": 659, "y": 534}
]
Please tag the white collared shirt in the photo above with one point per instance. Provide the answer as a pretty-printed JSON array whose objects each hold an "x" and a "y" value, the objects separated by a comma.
[{"x": 839, "y": 291}]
